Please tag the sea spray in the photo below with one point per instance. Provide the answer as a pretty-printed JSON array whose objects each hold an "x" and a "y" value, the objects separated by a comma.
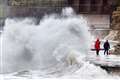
[{"x": 26, "y": 46}]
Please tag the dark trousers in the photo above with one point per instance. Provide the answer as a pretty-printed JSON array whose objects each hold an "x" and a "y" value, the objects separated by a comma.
[
  {"x": 97, "y": 52},
  {"x": 106, "y": 51}
]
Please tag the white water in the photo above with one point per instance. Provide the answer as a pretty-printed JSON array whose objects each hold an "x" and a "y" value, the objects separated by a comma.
[{"x": 43, "y": 50}]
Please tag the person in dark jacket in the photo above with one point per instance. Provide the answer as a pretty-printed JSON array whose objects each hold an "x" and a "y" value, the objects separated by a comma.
[
  {"x": 106, "y": 47},
  {"x": 97, "y": 46}
]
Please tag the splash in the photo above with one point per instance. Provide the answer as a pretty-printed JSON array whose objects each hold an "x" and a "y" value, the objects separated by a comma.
[
  {"x": 46, "y": 50},
  {"x": 29, "y": 46}
]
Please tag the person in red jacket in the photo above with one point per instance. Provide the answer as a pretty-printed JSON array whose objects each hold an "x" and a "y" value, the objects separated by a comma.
[{"x": 97, "y": 46}]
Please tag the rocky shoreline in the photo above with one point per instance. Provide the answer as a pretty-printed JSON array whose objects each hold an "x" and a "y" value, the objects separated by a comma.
[{"x": 115, "y": 32}]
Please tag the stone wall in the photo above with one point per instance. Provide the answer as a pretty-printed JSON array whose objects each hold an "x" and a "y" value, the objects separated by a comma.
[
  {"x": 2, "y": 13},
  {"x": 93, "y": 6},
  {"x": 34, "y": 8},
  {"x": 99, "y": 24}
]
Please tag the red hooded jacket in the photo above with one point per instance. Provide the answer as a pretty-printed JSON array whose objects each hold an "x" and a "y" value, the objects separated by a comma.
[{"x": 97, "y": 44}]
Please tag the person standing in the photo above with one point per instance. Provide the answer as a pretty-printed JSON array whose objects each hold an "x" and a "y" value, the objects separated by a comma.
[
  {"x": 106, "y": 47},
  {"x": 97, "y": 46}
]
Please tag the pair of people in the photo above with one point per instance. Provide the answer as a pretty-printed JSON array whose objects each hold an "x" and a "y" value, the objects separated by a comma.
[{"x": 106, "y": 47}]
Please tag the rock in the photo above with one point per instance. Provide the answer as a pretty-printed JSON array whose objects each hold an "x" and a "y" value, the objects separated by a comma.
[
  {"x": 115, "y": 32},
  {"x": 117, "y": 49},
  {"x": 112, "y": 35},
  {"x": 118, "y": 8}
]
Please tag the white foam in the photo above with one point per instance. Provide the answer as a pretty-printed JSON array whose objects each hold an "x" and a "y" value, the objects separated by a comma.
[{"x": 30, "y": 46}]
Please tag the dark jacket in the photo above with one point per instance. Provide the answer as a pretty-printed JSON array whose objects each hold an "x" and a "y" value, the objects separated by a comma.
[{"x": 106, "y": 46}]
